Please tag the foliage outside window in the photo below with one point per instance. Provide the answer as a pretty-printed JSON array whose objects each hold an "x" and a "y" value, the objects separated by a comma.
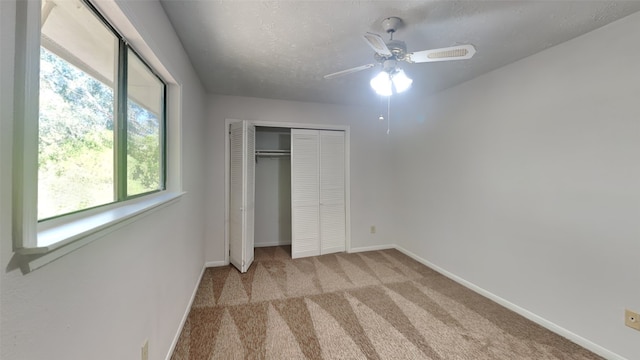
[{"x": 101, "y": 115}]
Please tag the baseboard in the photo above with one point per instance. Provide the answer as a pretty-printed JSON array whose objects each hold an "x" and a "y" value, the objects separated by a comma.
[
  {"x": 589, "y": 345},
  {"x": 215, "y": 263},
  {"x": 372, "y": 248},
  {"x": 185, "y": 316},
  {"x": 267, "y": 244}
]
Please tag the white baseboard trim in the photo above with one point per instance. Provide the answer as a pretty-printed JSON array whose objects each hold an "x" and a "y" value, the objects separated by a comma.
[
  {"x": 267, "y": 244},
  {"x": 218, "y": 263},
  {"x": 372, "y": 248},
  {"x": 185, "y": 316},
  {"x": 589, "y": 345}
]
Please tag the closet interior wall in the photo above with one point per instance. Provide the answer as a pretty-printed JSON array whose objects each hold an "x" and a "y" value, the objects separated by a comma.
[{"x": 272, "y": 187}]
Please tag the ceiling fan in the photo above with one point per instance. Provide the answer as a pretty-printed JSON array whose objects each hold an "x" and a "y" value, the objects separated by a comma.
[{"x": 389, "y": 54}]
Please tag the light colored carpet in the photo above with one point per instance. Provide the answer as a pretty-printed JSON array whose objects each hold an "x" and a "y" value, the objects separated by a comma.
[{"x": 370, "y": 305}]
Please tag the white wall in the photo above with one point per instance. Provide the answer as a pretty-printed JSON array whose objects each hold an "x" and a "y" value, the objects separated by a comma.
[
  {"x": 370, "y": 180},
  {"x": 526, "y": 183},
  {"x": 272, "y": 201},
  {"x": 103, "y": 300}
]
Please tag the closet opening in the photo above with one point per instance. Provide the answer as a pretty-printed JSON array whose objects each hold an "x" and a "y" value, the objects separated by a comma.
[{"x": 272, "y": 187}]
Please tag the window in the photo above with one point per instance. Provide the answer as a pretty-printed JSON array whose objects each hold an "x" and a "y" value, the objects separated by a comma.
[
  {"x": 145, "y": 109},
  {"x": 97, "y": 130},
  {"x": 101, "y": 115}
]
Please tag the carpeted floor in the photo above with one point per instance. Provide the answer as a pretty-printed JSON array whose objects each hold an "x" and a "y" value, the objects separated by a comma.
[{"x": 370, "y": 305}]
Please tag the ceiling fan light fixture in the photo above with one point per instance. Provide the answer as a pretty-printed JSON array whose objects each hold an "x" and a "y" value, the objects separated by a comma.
[
  {"x": 401, "y": 81},
  {"x": 382, "y": 84}
]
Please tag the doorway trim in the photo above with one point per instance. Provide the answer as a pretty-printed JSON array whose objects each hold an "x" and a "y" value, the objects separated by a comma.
[{"x": 289, "y": 125}]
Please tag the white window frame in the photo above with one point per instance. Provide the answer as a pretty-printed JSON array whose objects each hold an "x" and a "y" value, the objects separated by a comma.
[{"x": 40, "y": 243}]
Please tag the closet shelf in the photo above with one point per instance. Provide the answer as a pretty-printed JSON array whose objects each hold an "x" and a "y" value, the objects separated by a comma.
[{"x": 273, "y": 152}]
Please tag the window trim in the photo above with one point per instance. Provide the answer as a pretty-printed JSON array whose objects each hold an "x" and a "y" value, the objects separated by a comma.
[{"x": 74, "y": 230}]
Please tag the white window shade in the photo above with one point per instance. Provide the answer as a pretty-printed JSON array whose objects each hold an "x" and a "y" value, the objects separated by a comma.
[
  {"x": 143, "y": 86},
  {"x": 70, "y": 31}
]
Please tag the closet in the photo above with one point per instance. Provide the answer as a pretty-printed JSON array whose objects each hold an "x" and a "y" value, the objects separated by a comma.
[
  {"x": 286, "y": 186},
  {"x": 272, "y": 187}
]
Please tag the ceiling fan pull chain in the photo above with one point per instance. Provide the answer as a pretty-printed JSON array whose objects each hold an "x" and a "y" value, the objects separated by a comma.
[{"x": 388, "y": 114}]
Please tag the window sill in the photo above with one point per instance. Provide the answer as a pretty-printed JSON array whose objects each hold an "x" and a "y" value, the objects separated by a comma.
[{"x": 61, "y": 239}]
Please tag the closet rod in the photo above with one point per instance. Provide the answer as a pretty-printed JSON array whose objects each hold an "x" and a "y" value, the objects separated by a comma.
[{"x": 273, "y": 152}]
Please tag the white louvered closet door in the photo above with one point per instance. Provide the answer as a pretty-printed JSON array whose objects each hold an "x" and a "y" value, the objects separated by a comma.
[
  {"x": 332, "y": 192},
  {"x": 241, "y": 194},
  {"x": 250, "y": 198},
  {"x": 305, "y": 200}
]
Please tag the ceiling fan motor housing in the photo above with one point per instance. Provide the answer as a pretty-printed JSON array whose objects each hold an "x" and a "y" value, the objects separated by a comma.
[{"x": 398, "y": 50}]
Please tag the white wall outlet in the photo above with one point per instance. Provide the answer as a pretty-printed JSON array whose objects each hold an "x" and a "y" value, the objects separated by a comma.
[
  {"x": 373, "y": 229},
  {"x": 632, "y": 319},
  {"x": 144, "y": 353}
]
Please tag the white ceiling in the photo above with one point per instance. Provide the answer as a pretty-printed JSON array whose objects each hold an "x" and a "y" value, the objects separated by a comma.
[{"x": 282, "y": 49}]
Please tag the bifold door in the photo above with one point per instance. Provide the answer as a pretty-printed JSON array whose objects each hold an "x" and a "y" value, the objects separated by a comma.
[
  {"x": 241, "y": 194},
  {"x": 317, "y": 192},
  {"x": 332, "y": 192},
  {"x": 305, "y": 193}
]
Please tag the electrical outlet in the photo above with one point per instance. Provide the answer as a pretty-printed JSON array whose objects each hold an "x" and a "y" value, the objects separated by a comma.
[
  {"x": 145, "y": 350},
  {"x": 373, "y": 229},
  {"x": 632, "y": 319}
]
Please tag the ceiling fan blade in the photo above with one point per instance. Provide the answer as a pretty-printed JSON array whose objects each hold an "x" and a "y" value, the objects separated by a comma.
[
  {"x": 461, "y": 52},
  {"x": 349, "y": 71},
  {"x": 377, "y": 44}
]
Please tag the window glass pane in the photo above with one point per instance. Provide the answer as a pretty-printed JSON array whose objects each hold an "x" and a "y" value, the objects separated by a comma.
[
  {"x": 145, "y": 120},
  {"x": 76, "y": 121}
]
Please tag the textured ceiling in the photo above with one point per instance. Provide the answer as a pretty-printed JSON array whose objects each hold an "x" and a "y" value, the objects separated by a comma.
[{"x": 282, "y": 49}]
